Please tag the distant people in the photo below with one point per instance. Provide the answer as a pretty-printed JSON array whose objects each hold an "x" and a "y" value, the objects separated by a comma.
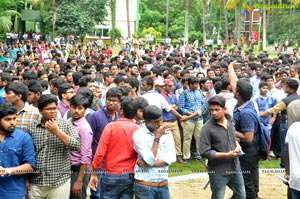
[{"x": 17, "y": 155}]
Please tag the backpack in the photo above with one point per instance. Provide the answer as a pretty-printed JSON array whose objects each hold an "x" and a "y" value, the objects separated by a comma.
[{"x": 261, "y": 137}]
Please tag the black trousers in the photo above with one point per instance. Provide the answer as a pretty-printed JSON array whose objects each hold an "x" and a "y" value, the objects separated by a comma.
[{"x": 249, "y": 166}]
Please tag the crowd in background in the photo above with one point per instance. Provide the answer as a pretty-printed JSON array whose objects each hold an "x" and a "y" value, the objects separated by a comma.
[{"x": 179, "y": 79}]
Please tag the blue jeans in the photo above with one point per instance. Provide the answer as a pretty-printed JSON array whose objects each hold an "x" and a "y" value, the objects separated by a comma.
[
  {"x": 148, "y": 192},
  {"x": 295, "y": 194},
  {"x": 234, "y": 181},
  {"x": 283, "y": 131},
  {"x": 114, "y": 186},
  {"x": 96, "y": 194},
  {"x": 85, "y": 182}
]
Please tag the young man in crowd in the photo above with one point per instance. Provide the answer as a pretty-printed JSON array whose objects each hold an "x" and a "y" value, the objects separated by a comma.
[{"x": 80, "y": 160}]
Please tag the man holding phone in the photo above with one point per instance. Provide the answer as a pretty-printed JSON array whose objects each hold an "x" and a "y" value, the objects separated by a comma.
[{"x": 219, "y": 145}]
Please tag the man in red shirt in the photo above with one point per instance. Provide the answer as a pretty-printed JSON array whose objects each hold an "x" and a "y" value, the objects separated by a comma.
[
  {"x": 116, "y": 147},
  {"x": 108, "y": 51}
]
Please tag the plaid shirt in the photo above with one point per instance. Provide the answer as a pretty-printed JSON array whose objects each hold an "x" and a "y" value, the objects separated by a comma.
[
  {"x": 27, "y": 115},
  {"x": 52, "y": 156},
  {"x": 191, "y": 101}
]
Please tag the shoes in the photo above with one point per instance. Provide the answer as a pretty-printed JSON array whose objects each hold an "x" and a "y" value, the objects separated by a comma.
[
  {"x": 202, "y": 160},
  {"x": 271, "y": 154},
  {"x": 187, "y": 161},
  {"x": 180, "y": 160}
]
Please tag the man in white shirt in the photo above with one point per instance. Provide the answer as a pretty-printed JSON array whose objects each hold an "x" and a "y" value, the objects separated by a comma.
[
  {"x": 292, "y": 159},
  {"x": 156, "y": 151}
]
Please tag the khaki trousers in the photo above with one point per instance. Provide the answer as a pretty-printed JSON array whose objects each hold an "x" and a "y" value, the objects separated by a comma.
[{"x": 191, "y": 129}]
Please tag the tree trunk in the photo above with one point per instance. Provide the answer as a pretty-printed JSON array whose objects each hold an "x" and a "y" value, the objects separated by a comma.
[
  {"x": 128, "y": 18},
  {"x": 113, "y": 20},
  {"x": 53, "y": 19},
  {"x": 204, "y": 20},
  {"x": 210, "y": 25},
  {"x": 226, "y": 21},
  {"x": 167, "y": 17},
  {"x": 220, "y": 24},
  {"x": 186, "y": 33},
  {"x": 264, "y": 27}
]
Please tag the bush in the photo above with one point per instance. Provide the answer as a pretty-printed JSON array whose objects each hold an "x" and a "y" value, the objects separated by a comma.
[
  {"x": 118, "y": 33},
  {"x": 194, "y": 35}
]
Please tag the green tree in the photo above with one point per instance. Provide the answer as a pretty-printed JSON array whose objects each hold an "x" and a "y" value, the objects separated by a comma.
[
  {"x": 8, "y": 9},
  {"x": 66, "y": 17}
]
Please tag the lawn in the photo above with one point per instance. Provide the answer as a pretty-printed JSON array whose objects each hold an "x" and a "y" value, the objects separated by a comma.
[{"x": 178, "y": 169}]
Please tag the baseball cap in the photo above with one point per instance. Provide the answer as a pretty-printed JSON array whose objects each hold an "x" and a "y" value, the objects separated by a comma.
[
  {"x": 168, "y": 82},
  {"x": 159, "y": 82}
]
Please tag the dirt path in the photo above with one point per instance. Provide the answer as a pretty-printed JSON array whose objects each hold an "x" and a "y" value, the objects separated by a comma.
[{"x": 270, "y": 188}]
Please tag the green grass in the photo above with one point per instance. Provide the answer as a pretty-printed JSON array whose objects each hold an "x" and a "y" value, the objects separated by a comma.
[{"x": 178, "y": 169}]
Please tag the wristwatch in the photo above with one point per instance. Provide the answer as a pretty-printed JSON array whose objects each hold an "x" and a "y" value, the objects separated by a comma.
[{"x": 8, "y": 172}]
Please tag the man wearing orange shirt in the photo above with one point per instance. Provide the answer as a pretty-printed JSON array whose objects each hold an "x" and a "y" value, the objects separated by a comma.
[{"x": 116, "y": 147}]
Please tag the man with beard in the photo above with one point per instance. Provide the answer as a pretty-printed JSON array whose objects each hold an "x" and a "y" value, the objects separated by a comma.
[
  {"x": 133, "y": 70},
  {"x": 17, "y": 155},
  {"x": 35, "y": 92},
  {"x": 16, "y": 93},
  {"x": 65, "y": 93}
]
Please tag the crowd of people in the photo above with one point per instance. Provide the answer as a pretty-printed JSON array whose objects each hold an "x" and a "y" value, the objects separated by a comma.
[{"x": 74, "y": 115}]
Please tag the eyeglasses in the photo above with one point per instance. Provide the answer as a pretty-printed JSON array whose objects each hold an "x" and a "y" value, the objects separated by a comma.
[
  {"x": 70, "y": 92},
  {"x": 50, "y": 109},
  {"x": 112, "y": 100}
]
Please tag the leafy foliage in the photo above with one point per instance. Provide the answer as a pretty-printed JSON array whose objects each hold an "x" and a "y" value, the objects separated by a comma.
[
  {"x": 72, "y": 17},
  {"x": 118, "y": 33},
  {"x": 8, "y": 9}
]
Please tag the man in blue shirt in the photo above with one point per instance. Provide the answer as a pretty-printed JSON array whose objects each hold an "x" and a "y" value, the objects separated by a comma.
[
  {"x": 17, "y": 155},
  {"x": 191, "y": 102}
]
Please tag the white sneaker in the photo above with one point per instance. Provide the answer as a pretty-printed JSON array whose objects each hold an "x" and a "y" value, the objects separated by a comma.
[{"x": 271, "y": 154}]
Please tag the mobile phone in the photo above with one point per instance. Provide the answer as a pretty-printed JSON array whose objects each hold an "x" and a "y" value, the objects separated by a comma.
[{"x": 240, "y": 154}]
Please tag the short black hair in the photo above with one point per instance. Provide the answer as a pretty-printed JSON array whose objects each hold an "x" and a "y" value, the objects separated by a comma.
[
  {"x": 142, "y": 102},
  {"x": 262, "y": 84},
  {"x": 87, "y": 93},
  {"x": 149, "y": 81},
  {"x": 114, "y": 92},
  {"x": 80, "y": 99},
  {"x": 244, "y": 89},
  {"x": 83, "y": 82},
  {"x": 76, "y": 76},
  {"x": 192, "y": 80},
  {"x": 34, "y": 86},
  {"x": 7, "y": 109},
  {"x": 133, "y": 82},
  {"x": 62, "y": 89},
  {"x": 45, "y": 100},
  {"x": 217, "y": 100},
  {"x": 18, "y": 88},
  {"x": 292, "y": 83},
  {"x": 129, "y": 106},
  {"x": 151, "y": 112}
]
